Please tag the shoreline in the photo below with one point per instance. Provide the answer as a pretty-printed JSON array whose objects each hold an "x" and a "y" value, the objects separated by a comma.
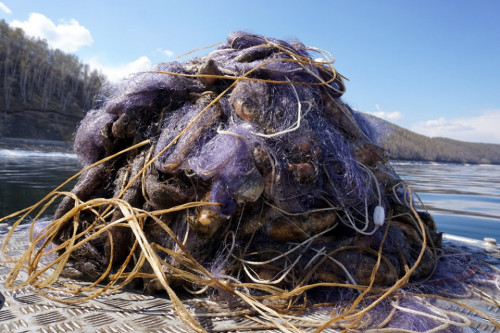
[
  {"x": 46, "y": 146},
  {"x": 55, "y": 146}
]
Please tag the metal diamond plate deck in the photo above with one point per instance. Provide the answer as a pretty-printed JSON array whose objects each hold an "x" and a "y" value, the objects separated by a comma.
[{"x": 28, "y": 311}]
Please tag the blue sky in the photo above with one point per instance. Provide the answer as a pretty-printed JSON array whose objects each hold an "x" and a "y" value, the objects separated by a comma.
[{"x": 432, "y": 66}]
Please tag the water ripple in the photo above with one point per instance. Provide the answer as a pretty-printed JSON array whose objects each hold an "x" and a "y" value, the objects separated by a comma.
[{"x": 464, "y": 199}]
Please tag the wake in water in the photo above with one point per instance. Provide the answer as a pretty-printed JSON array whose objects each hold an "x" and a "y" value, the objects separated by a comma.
[{"x": 24, "y": 153}]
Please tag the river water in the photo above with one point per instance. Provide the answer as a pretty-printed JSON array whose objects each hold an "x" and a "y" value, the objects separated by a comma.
[
  {"x": 463, "y": 199},
  {"x": 27, "y": 176}
]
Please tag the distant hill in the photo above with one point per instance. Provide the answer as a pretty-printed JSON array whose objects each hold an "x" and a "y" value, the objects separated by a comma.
[
  {"x": 43, "y": 92},
  {"x": 403, "y": 144}
]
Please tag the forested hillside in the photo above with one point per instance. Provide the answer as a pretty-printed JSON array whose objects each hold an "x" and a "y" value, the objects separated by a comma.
[
  {"x": 406, "y": 145},
  {"x": 43, "y": 92}
]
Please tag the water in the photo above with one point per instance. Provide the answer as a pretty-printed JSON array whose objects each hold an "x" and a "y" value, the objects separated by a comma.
[
  {"x": 27, "y": 176},
  {"x": 463, "y": 199}
]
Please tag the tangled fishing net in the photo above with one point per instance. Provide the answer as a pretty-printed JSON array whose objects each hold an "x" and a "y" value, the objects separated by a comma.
[{"x": 243, "y": 176}]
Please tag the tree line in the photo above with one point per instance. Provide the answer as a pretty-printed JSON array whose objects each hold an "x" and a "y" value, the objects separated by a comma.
[{"x": 35, "y": 77}]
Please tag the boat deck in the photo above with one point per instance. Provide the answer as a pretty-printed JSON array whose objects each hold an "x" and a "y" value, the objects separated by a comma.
[{"x": 28, "y": 311}]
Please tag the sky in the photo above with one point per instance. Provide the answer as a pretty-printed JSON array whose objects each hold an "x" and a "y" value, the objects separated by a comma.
[{"x": 431, "y": 66}]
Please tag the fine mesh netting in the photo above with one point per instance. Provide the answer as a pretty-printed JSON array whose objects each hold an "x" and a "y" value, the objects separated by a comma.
[{"x": 243, "y": 176}]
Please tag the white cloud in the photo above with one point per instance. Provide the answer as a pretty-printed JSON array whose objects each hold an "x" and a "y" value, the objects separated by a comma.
[
  {"x": 5, "y": 9},
  {"x": 68, "y": 36},
  {"x": 482, "y": 128},
  {"x": 168, "y": 53},
  {"x": 390, "y": 116},
  {"x": 117, "y": 72}
]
